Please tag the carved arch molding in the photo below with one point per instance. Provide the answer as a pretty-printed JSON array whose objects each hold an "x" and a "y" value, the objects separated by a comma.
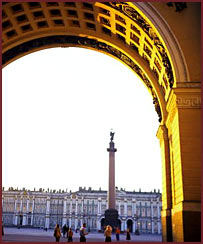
[{"x": 120, "y": 21}]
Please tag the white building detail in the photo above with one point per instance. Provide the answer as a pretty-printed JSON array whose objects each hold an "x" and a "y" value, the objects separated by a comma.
[{"x": 44, "y": 209}]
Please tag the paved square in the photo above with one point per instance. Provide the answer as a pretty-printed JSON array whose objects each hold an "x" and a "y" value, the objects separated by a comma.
[{"x": 39, "y": 235}]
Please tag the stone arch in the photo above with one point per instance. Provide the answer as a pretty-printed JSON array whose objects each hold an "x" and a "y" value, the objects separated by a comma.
[
  {"x": 102, "y": 223},
  {"x": 146, "y": 38}
]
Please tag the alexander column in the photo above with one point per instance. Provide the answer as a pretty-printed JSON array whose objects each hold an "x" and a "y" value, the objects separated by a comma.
[{"x": 111, "y": 214}]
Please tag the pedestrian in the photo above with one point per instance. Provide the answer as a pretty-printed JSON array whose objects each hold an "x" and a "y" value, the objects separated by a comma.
[
  {"x": 128, "y": 235},
  {"x": 107, "y": 233},
  {"x": 70, "y": 235},
  {"x": 117, "y": 234},
  {"x": 67, "y": 229},
  {"x": 64, "y": 229},
  {"x": 83, "y": 233},
  {"x": 57, "y": 233}
]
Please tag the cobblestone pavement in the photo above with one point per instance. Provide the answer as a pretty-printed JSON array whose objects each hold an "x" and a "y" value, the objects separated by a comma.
[{"x": 37, "y": 235}]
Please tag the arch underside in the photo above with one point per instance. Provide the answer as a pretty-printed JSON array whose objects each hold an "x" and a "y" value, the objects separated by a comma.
[
  {"x": 44, "y": 42},
  {"x": 115, "y": 27}
]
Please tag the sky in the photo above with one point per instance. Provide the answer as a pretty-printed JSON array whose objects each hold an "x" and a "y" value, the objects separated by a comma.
[{"x": 58, "y": 108}]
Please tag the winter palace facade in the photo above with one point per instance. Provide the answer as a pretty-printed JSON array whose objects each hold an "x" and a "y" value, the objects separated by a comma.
[{"x": 43, "y": 209}]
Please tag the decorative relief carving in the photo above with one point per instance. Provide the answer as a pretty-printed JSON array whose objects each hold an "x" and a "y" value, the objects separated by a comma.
[
  {"x": 146, "y": 27},
  {"x": 188, "y": 102}
]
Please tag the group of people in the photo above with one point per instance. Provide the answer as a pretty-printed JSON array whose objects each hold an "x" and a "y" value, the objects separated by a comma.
[
  {"x": 67, "y": 232},
  {"x": 108, "y": 232}
]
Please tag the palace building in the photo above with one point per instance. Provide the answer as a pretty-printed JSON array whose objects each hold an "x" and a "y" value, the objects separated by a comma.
[{"x": 45, "y": 208}]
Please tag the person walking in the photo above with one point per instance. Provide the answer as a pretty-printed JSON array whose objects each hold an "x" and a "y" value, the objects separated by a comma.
[
  {"x": 57, "y": 233},
  {"x": 83, "y": 233},
  {"x": 117, "y": 234},
  {"x": 128, "y": 235},
  {"x": 107, "y": 233},
  {"x": 70, "y": 235}
]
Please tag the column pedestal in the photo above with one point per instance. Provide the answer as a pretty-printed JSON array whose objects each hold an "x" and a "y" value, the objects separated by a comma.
[{"x": 111, "y": 218}]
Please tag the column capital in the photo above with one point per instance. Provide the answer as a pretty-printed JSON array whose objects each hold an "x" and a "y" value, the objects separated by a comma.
[{"x": 182, "y": 98}]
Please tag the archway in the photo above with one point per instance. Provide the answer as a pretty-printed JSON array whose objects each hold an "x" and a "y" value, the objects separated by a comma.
[
  {"x": 102, "y": 224},
  {"x": 130, "y": 225},
  {"x": 154, "y": 48},
  {"x": 119, "y": 224}
]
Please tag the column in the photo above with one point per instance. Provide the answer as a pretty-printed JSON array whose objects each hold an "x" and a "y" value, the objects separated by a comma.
[
  {"x": 33, "y": 206},
  {"x": 81, "y": 221},
  {"x": 27, "y": 205},
  {"x": 134, "y": 226},
  {"x": 152, "y": 217},
  {"x": 76, "y": 222},
  {"x": 125, "y": 207},
  {"x": 76, "y": 207},
  {"x": 98, "y": 224},
  {"x": 76, "y": 213},
  {"x": 21, "y": 210},
  {"x": 64, "y": 211},
  {"x": 21, "y": 205},
  {"x": 99, "y": 206},
  {"x": 111, "y": 190},
  {"x": 24, "y": 215},
  {"x": 125, "y": 224},
  {"x": 47, "y": 215},
  {"x": 82, "y": 207},
  {"x": 71, "y": 204},
  {"x": 27, "y": 212},
  {"x": 15, "y": 219},
  {"x": 122, "y": 225},
  {"x": 184, "y": 132},
  {"x": 158, "y": 216},
  {"x": 119, "y": 207},
  {"x": 70, "y": 222},
  {"x": 133, "y": 208}
]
